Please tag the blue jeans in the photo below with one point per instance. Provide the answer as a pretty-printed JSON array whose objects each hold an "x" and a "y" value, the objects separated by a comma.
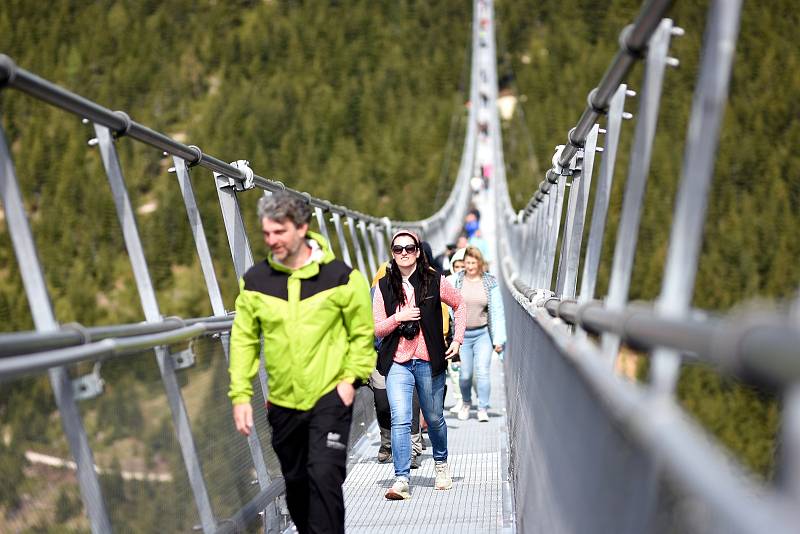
[
  {"x": 476, "y": 355},
  {"x": 400, "y": 384}
]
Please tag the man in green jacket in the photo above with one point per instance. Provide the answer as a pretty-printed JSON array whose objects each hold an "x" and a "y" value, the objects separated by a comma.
[{"x": 315, "y": 315}]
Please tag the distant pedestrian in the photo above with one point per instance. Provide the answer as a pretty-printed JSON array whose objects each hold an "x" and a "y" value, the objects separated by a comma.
[
  {"x": 454, "y": 366},
  {"x": 471, "y": 224},
  {"x": 481, "y": 244}
]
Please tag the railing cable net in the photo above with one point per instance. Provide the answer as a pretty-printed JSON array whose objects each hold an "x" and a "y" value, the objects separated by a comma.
[
  {"x": 592, "y": 451},
  {"x": 83, "y": 361}
]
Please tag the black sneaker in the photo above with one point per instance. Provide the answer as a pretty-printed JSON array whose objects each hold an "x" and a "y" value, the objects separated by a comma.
[{"x": 414, "y": 461}]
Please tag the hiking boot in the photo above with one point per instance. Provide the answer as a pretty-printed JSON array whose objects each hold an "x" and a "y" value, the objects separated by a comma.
[
  {"x": 483, "y": 416},
  {"x": 384, "y": 455},
  {"x": 463, "y": 413},
  {"x": 443, "y": 479},
  {"x": 415, "y": 461},
  {"x": 399, "y": 490},
  {"x": 456, "y": 407}
]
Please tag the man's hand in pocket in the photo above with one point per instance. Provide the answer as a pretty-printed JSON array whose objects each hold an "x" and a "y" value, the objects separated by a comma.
[{"x": 346, "y": 392}]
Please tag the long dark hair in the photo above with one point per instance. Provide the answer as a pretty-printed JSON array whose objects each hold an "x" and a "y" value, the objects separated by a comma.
[{"x": 425, "y": 271}]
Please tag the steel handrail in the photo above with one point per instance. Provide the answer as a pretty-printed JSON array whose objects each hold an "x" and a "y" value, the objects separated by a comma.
[
  {"x": 633, "y": 45},
  {"x": 15, "y": 366},
  {"x": 758, "y": 347},
  {"x": 13, "y": 76},
  {"x": 17, "y": 343}
]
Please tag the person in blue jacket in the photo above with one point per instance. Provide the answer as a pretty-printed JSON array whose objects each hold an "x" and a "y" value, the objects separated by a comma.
[{"x": 486, "y": 330}]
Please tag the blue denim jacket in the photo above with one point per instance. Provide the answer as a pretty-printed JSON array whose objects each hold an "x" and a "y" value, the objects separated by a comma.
[{"x": 497, "y": 316}]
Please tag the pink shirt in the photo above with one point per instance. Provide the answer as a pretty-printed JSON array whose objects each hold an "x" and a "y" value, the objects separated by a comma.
[{"x": 416, "y": 348}]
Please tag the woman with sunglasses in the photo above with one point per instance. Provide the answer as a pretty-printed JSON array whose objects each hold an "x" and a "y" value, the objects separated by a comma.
[
  {"x": 486, "y": 330},
  {"x": 408, "y": 316}
]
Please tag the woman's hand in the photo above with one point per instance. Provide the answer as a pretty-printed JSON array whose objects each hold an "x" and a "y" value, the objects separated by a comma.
[
  {"x": 455, "y": 346},
  {"x": 498, "y": 349},
  {"x": 407, "y": 314}
]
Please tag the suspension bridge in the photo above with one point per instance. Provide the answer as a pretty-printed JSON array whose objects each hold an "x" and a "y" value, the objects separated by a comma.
[{"x": 571, "y": 446}]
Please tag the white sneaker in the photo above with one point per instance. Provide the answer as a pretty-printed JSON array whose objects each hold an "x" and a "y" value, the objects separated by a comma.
[
  {"x": 463, "y": 413},
  {"x": 443, "y": 479},
  {"x": 483, "y": 417},
  {"x": 457, "y": 407},
  {"x": 399, "y": 490}
]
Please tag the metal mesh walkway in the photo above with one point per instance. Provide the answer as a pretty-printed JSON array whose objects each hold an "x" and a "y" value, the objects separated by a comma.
[{"x": 476, "y": 458}]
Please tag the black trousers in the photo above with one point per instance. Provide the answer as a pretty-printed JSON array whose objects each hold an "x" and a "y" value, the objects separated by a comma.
[{"x": 312, "y": 449}]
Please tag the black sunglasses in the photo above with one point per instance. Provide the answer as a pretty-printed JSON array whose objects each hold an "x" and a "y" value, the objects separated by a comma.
[{"x": 398, "y": 249}]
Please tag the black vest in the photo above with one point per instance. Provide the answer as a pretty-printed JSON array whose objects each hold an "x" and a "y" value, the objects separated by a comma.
[{"x": 430, "y": 323}]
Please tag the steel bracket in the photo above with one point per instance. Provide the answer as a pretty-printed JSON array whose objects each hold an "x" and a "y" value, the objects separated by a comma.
[
  {"x": 237, "y": 183},
  {"x": 183, "y": 359},
  {"x": 88, "y": 386},
  {"x": 573, "y": 163}
]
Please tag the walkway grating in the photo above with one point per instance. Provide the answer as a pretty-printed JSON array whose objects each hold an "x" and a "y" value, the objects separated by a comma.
[{"x": 474, "y": 504}]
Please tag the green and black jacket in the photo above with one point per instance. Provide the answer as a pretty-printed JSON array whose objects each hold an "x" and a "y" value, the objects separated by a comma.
[{"x": 317, "y": 327}]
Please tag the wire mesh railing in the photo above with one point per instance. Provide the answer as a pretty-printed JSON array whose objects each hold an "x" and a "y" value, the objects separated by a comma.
[
  {"x": 592, "y": 451},
  {"x": 141, "y": 405},
  {"x": 146, "y": 441}
]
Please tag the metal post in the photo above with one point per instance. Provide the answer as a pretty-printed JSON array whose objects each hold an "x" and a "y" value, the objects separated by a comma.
[
  {"x": 518, "y": 232},
  {"x": 387, "y": 227},
  {"x": 196, "y": 224},
  {"x": 541, "y": 241},
  {"x": 380, "y": 244},
  {"x": 602, "y": 195},
  {"x": 539, "y": 238},
  {"x": 239, "y": 245},
  {"x": 323, "y": 228},
  {"x": 147, "y": 296},
  {"x": 555, "y": 224},
  {"x": 581, "y": 202},
  {"x": 45, "y": 321},
  {"x": 638, "y": 170},
  {"x": 373, "y": 267},
  {"x": 214, "y": 294},
  {"x": 789, "y": 474},
  {"x": 566, "y": 237},
  {"x": 357, "y": 246},
  {"x": 708, "y": 107},
  {"x": 525, "y": 245},
  {"x": 337, "y": 223}
]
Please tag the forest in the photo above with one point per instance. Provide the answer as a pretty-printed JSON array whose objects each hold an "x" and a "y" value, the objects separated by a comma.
[{"x": 361, "y": 103}]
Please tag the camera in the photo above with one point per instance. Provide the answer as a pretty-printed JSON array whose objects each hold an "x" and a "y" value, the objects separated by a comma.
[{"x": 409, "y": 329}]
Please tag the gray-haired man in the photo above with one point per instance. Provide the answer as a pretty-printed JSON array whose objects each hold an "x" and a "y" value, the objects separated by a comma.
[{"x": 315, "y": 315}]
